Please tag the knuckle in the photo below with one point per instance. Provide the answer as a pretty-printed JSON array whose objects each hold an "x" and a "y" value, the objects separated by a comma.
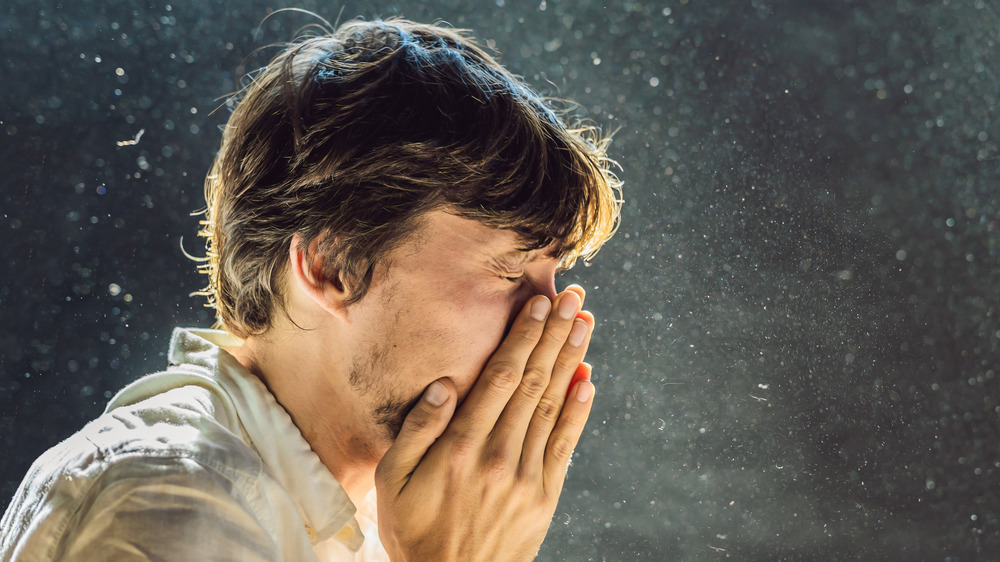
[
  {"x": 503, "y": 376},
  {"x": 534, "y": 382},
  {"x": 497, "y": 465},
  {"x": 463, "y": 447},
  {"x": 548, "y": 409},
  {"x": 561, "y": 447},
  {"x": 555, "y": 337},
  {"x": 526, "y": 335},
  {"x": 565, "y": 362}
]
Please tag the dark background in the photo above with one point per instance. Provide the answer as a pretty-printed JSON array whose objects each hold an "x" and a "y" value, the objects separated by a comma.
[{"x": 799, "y": 319}]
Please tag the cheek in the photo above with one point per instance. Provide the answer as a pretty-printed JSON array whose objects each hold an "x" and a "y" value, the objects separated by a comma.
[
  {"x": 484, "y": 321},
  {"x": 460, "y": 326},
  {"x": 480, "y": 323},
  {"x": 452, "y": 336},
  {"x": 487, "y": 310}
]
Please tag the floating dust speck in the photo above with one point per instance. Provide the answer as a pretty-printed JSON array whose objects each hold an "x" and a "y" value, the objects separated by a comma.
[{"x": 134, "y": 140}]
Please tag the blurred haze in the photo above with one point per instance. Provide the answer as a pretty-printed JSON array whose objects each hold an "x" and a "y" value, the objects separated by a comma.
[{"x": 798, "y": 321}]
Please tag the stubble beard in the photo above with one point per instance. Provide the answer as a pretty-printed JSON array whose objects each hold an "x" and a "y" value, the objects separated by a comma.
[
  {"x": 369, "y": 376},
  {"x": 372, "y": 376}
]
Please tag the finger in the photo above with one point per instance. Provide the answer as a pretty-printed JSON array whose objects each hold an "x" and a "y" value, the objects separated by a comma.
[
  {"x": 582, "y": 374},
  {"x": 422, "y": 426},
  {"x": 565, "y": 437},
  {"x": 538, "y": 371},
  {"x": 569, "y": 367},
  {"x": 584, "y": 370},
  {"x": 579, "y": 291},
  {"x": 502, "y": 374}
]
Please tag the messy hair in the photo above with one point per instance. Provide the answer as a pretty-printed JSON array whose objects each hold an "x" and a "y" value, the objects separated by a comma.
[{"x": 350, "y": 138}]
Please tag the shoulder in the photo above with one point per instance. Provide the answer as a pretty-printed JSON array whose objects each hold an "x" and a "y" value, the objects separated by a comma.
[
  {"x": 154, "y": 473},
  {"x": 180, "y": 423},
  {"x": 173, "y": 508}
]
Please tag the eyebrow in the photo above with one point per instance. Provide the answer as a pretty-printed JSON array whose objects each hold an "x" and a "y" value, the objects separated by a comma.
[{"x": 518, "y": 257}]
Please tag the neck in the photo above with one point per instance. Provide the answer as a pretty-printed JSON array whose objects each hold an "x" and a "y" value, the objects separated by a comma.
[{"x": 304, "y": 379}]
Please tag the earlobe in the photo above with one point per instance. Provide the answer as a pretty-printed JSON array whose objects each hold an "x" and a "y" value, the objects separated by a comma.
[{"x": 325, "y": 288}]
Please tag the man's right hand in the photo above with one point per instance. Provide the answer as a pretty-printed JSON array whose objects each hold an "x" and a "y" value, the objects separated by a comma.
[{"x": 483, "y": 484}]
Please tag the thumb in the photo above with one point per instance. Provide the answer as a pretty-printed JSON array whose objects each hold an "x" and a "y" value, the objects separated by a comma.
[{"x": 422, "y": 426}]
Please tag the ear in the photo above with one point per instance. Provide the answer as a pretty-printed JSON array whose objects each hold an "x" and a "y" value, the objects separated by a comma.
[{"x": 325, "y": 288}]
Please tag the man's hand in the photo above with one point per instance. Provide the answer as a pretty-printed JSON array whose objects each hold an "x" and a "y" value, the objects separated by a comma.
[{"x": 483, "y": 485}]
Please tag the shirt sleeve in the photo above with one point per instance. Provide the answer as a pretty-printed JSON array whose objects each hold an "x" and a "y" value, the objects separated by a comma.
[{"x": 166, "y": 509}]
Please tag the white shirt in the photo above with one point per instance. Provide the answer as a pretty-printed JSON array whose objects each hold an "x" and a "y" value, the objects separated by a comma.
[{"x": 195, "y": 463}]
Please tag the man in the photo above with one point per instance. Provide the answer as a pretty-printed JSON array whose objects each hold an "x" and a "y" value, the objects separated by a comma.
[{"x": 385, "y": 219}]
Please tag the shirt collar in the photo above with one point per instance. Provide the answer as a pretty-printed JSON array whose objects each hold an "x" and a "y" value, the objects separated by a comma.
[{"x": 324, "y": 506}]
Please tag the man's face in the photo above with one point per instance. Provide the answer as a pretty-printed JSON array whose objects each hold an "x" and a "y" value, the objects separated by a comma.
[{"x": 439, "y": 309}]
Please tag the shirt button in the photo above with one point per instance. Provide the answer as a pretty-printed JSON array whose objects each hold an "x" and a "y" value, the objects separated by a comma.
[{"x": 346, "y": 533}]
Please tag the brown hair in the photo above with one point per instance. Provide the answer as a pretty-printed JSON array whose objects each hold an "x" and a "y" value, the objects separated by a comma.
[{"x": 349, "y": 138}]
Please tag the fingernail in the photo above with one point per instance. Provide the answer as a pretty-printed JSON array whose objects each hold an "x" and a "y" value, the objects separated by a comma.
[
  {"x": 539, "y": 309},
  {"x": 584, "y": 390},
  {"x": 578, "y": 332},
  {"x": 568, "y": 305},
  {"x": 436, "y": 394}
]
